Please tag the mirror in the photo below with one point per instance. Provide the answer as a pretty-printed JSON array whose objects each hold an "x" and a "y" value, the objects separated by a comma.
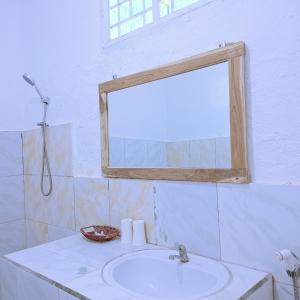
[
  {"x": 186, "y": 118},
  {"x": 179, "y": 121}
]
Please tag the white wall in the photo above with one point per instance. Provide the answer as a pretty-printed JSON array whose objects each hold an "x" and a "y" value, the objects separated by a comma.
[
  {"x": 63, "y": 51},
  {"x": 13, "y": 94},
  {"x": 66, "y": 56}
]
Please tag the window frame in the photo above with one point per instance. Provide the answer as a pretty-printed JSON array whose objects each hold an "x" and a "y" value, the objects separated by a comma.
[{"x": 157, "y": 20}]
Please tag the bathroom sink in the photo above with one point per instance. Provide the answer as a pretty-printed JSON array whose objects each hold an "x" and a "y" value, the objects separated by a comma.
[{"x": 149, "y": 274}]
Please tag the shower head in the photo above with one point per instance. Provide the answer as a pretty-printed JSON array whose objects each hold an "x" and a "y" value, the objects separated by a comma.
[
  {"x": 27, "y": 78},
  {"x": 30, "y": 81}
]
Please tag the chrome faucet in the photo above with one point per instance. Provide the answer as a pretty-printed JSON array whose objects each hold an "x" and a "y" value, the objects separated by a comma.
[{"x": 183, "y": 257}]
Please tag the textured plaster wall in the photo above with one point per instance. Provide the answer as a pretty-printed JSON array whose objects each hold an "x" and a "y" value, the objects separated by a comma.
[
  {"x": 13, "y": 92},
  {"x": 62, "y": 48},
  {"x": 68, "y": 58}
]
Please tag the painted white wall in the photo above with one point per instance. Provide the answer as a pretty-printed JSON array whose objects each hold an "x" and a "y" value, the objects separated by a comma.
[
  {"x": 64, "y": 44},
  {"x": 12, "y": 87}
]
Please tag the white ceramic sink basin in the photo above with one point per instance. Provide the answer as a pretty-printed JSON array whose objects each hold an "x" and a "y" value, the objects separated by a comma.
[{"x": 149, "y": 274}]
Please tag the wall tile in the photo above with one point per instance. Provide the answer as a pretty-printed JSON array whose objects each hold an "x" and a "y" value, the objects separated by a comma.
[
  {"x": 93, "y": 287},
  {"x": 59, "y": 142},
  {"x": 223, "y": 153},
  {"x": 56, "y": 233},
  {"x": 187, "y": 213},
  {"x": 284, "y": 292},
  {"x": 257, "y": 220},
  {"x": 12, "y": 236},
  {"x": 57, "y": 209},
  {"x": 36, "y": 233},
  {"x": 135, "y": 153},
  {"x": 116, "y": 152},
  {"x": 265, "y": 292},
  {"x": 91, "y": 201},
  {"x": 11, "y": 198},
  {"x": 11, "y": 162},
  {"x": 156, "y": 154},
  {"x": 32, "y": 151},
  {"x": 35, "y": 204},
  {"x": 30, "y": 287},
  {"x": 8, "y": 280},
  {"x": 203, "y": 153},
  {"x": 132, "y": 199},
  {"x": 178, "y": 154}
]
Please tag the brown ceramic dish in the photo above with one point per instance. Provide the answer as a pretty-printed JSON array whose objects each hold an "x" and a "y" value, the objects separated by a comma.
[{"x": 100, "y": 233}]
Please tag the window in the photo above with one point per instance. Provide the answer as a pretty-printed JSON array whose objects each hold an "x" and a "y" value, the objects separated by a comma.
[
  {"x": 128, "y": 15},
  {"x": 167, "y": 7}
]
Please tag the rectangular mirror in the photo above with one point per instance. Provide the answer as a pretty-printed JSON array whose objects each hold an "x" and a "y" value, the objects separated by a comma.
[{"x": 184, "y": 121}]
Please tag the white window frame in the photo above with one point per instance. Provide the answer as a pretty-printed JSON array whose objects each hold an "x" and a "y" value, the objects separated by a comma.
[{"x": 156, "y": 20}]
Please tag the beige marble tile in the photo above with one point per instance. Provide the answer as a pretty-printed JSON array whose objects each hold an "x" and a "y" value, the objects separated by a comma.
[
  {"x": 132, "y": 199},
  {"x": 203, "y": 153},
  {"x": 30, "y": 287},
  {"x": 284, "y": 291},
  {"x": 32, "y": 151},
  {"x": 11, "y": 198},
  {"x": 60, "y": 149},
  {"x": 57, "y": 209},
  {"x": 10, "y": 153},
  {"x": 187, "y": 213},
  {"x": 8, "y": 280},
  {"x": 223, "y": 153},
  {"x": 35, "y": 205},
  {"x": 91, "y": 201},
  {"x": 156, "y": 154},
  {"x": 135, "y": 153},
  {"x": 116, "y": 152},
  {"x": 12, "y": 237},
  {"x": 59, "y": 143},
  {"x": 178, "y": 154},
  {"x": 36, "y": 233},
  {"x": 56, "y": 233},
  {"x": 256, "y": 220}
]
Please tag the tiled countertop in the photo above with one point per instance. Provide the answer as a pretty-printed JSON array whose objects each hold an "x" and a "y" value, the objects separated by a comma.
[{"x": 74, "y": 265}]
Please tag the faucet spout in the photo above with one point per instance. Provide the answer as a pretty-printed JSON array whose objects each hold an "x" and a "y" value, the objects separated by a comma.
[{"x": 182, "y": 257}]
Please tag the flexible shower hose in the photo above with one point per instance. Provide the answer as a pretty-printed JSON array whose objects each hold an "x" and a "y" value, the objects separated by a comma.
[
  {"x": 296, "y": 290},
  {"x": 45, "y": 161}
]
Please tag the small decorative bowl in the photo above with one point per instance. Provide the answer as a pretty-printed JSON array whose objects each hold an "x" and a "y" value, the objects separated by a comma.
[{"x": 100, "y": 233}]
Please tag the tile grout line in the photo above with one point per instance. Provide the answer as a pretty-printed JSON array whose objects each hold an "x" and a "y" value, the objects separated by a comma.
[
  {"x": 12, "y": 221},
  {"x": 74, "y": 202},
  {"x": 109, "y": 204},
  {"x": 59, "y": 286},
  {"x": 219, "y": 227},
  {"x": 49, "y": 224},
  {"x": 12, "y": 175},
  {"x": 154, "y": 212},
  {"x": 24, "y": 193}
]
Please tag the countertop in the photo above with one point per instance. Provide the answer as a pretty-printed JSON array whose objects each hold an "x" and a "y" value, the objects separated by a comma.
[{"x": 74, "y": 265}]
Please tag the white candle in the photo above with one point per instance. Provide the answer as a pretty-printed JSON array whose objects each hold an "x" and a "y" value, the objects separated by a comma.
[
  {"x": 139, "y": 238},
  {"x": 126, "y": 231}
]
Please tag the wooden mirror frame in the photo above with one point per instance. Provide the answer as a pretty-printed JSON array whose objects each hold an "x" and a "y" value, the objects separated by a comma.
[{"x": 231, "y": 53}]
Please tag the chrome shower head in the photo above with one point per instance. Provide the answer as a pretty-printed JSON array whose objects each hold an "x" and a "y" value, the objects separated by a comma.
[
  {"x": 30, "y": 81},
  {"x": 27, "y": 78}
]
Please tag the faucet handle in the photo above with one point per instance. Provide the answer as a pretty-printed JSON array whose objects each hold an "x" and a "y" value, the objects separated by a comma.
[{"x": 179, "y": 246}]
